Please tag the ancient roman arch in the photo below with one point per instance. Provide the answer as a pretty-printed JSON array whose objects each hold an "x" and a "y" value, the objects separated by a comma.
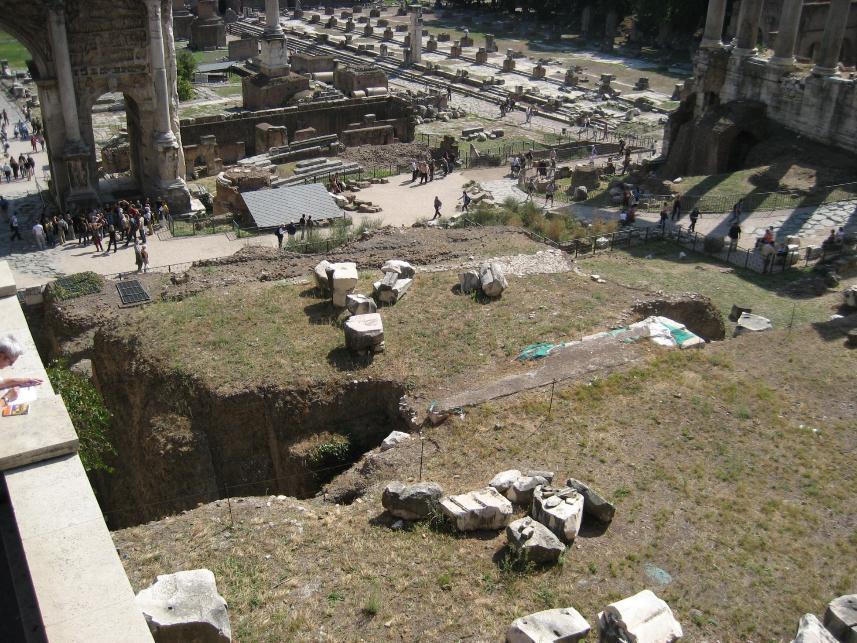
[{"x": 83, "y": 48}]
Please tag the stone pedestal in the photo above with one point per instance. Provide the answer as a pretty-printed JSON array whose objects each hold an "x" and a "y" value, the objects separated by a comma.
[
  {"x": 182, "y": 20},
  {"x": 455, "y": 51},
  {"x": 207, "y": 31},
  {"x": 345, "y": 15},
  {"x": 481, "y": 56},
  {"x": 368, "y": 30},
  {"x": 331, "y": 22},
  {"x": 490, "y": 44},
  {"x": 571, "y": 77},
  {"x": 263, "y": 92},
  {"x": 349, "y": 25},
  {"x": 247, "y": 47},
  {"x": 315, "y": 19},
  {"x": 268, "y": 136},
  {"x": 388, "y": 34},
  {"x": 431, "y": 45},
  {"x": 374, "y": 13},
  {"x": 466, "y": 40},
  {"x": 329, "y": 11},
  {"x": 383, "y": 50},
  {"x": 274, "y": 57},
  {"x": 508, "y": 64}
]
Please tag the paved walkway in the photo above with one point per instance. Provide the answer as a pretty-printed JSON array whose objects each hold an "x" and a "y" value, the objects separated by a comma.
[{"x": 812, "y": 224}]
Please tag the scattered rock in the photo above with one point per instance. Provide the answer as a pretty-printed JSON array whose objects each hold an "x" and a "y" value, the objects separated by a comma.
[
  {"x": 482, "y": 509},
  {"x": 180, "y": 279},
  {"x": 185, "y": 606},
  {"x": 83, "y": 368},
  {"x": 394, "y": 439},
  {"x": 343, "y": 279},
  {"x": 533, "y": 541},
  {"x": 364, "y": 332},
  {"x": 360, "y": 304},
  {"x": 560, "y": 510},
  {"x": 492, "y": 280},
  {"x": 737, "y": 311},
  {"x": 594, "y": 504},
  {"x": 390, "y": 294},
  {"x": 581, "y": 193},
  {"x": 840, "y": 618},
  {"x": 320, "y": 275},
  {"x": 411, "y": 502},
  {"x": 521, "y": 491},
  {"x": 565, "y": 625},
  {"x": 469, "y": 281},
  {"x": 401, "y": 268},
  {"x": 749, "y": 323},
  {"x": 504, "y": 480},
  {"x": 850, "y": 297},
  {"x": 601, "y": 243},
  {"x": 642, "y": 618},
  {"x": 810, "y": 630}
]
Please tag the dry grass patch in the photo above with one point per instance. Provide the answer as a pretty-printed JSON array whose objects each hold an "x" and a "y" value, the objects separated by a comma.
[
  {"x": 281, "y": 333},
  {"x": 712, "y": 460}
]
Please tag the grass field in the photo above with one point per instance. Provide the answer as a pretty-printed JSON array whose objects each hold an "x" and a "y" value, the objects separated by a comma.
[
  {"x": 13, "y": 51},
  {"x": 730, "y": 468}
]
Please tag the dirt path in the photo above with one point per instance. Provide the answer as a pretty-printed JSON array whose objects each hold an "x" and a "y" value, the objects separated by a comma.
[{"x": 594, "y": 356}]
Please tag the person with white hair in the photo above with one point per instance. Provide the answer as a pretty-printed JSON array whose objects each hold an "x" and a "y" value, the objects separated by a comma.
[{"x": 10, "y": 351}]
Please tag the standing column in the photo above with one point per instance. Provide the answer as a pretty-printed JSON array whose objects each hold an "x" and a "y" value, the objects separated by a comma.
[
  {"x": 784, "y": 51},
  {"x": 827, "y": 56},
  {"x": 712, "y": 37},
  {"x": 416, "y": 34},
  {"x": 65, "y": 81},
  {"x": 272, "y": 18},
  {"x": 163, "y": 131},
  {"x": 748, "y": 27}
]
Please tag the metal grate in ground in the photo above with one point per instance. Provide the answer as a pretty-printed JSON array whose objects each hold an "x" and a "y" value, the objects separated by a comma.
[{"x": 132, "y": 293}]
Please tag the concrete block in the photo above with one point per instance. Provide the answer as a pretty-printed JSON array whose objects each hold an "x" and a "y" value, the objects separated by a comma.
[{"x": 7, "y": 281}]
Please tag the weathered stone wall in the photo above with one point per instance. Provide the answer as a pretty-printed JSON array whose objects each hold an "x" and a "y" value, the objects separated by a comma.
[
  {"x": 739, "y": 101},
  {"x": 326, "y": 118},
  {"x": 811, "y": 28}
]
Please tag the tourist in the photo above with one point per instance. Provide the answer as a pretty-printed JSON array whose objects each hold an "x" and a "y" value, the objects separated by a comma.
[
  {"x": 769, "y": 237},
  {"x": 309, "y": 225},
  {"x": 31, "y": 167},
  {"x": 632, "y": 215},
  {"x": 39, "y": 234},
  {"x": 414, "y": 170},
  {"x": 664, "y": 217},
  {"x": 13, "y": 226},
  {"x": 33, "y": 143},
  {"x": 48, "y": 226},
  {"x": 737, "y": 210},
  {"x": 424, "y": 171},
  {"x": 621, "y": 146},
  {"x": 112, "y": 239},
  {"x": 61, "y": 227},
  {"x": 623, "y": 219},
  {"x": 22, "y": 167},
  {"x": 449, "y": 93},
  {"x": 5, "y": 118},
  {"x": 7, "y": 172},
  {"x": 515, "y": 166},
  {"x": 437, "y": 205},
  {"x": 302, "y": 225},
  {"x": 840, "y": 236},
  {"x": 676, "y": 212},
  {"x": 465, "y": 201},
  {"x": 96, "y": 236},
  {"x": 147, "y": 218},
  {"x": 291, "y": 229},
  {"x": 431, "y": 169},
  {"x": 610, "y": 168},
  {"x": 14, "y": 165},
  {"x": 10, "y": 351},
  {"x": 529, "y": 114},
  {"x": 69, "y": 222},
  {"x": 593, "y": 153},
  {"x": 144, "y": 253},
  {"x": 280, "y": 232},
  {"x": 734, "y": 235},
  {"x": 694, "y": 217},
  {"x": 549, "y": 192},
  {"x": 138, "y": 255}
]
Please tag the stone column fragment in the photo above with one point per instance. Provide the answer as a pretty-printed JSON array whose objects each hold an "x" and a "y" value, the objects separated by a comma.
[
  {"x": 784, "y": 51},
  {"x": 711, "y": 38},
  {"x": 827, "y": 56}
]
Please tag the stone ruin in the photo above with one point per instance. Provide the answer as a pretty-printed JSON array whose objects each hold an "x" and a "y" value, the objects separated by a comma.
[
  {"x": 641, "y": 617},
  {"x": 398, "y": 277},
  {"x": 186, "y": 606},
  {"x": 489, "y": 280},
  {"x": 232, "y": 183},
  {"x": 208, "y": 30}
]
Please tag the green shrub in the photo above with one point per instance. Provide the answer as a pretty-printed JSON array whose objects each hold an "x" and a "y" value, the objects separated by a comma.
[
  {"x": 77, "y": 285},
  {"x": 88, "y": 414},
  {"x": 336, "y": 451}
]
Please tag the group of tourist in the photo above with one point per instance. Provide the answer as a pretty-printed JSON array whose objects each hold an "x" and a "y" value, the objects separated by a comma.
[
  {"x": 23, "y": 167},
  {"x": 122, "y": 221},
  {"x": 305, "y": 224},
  {"x": 423, "y": 169}
]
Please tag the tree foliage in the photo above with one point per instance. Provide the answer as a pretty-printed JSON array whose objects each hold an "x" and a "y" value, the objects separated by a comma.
[
  {"x": 88, "y": 414},
  {"x": 185, "y": 68}
]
